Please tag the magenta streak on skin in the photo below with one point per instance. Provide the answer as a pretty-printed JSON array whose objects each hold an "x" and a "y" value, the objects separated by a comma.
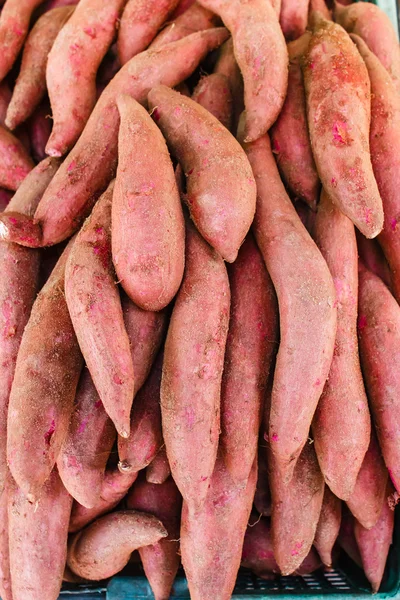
[
  {"x": 190, "y": 172},
  {"x": 90, "y": 31},
  {"x": 311, "y": 66},
  {"x": 276, "y": 146},
  {"x": 333, "y": 182},
  {"x": 72, "y": 166},
  {"x": 82, "y": 426},
  {"x": 274, "y": 437},
  {"x": 317, "y": 383},
  {"x": 98, "y": 404},
  {"x": 13, "y": 220},
  {"x": 362, "y": 322},
  {"x": 156, "y": 114},
  {"x": 393, "y": 224},
  {"x": 337, "y": 130},
  {"x": 49, "y": 433},
  {"x": 297, "y": 546},
  {"x": 117, "y": 380},
  {"x": 368, "y": 213}
]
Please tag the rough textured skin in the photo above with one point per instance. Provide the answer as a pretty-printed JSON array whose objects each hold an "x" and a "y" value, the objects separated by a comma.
[
  {"x": 196, "y": 18},
  {"x": 139, "y": 25},
  {"x": 296, "y": 507},
  {"x": 5, "y": 573},
  {"x": 15, "y": 163},
  {"x": 148, "y": 229},
  {"x": 369, "y": 492},
  {"x": 214, "y": 94},
  {"x": 43, "y": 390},
  {"x": 261, "y": 54},
  {"x": 307, "y": 310},
  {"x": 158, "y": 470},
  {"x": 253, "y": 340},
  {"x": 30, "y": 86},
  {"x": 14, "y": 26},
  {"x": 262, "y": 497},
  {"x": 145, "y": 439},
  {"x": 72, "y": 67},
  {"x": 210, "y": 157},
  {"x": 293, "y": 18},
  {"x": 342, "y": 413},
  {"x": 379, "y": 339},
  {"x": 84, "y": 454},
  {"x": 374, "y": 26},
  {"x": 39, "y": 126},
  {"x": 346, "y": 538},
  {"x": 38, "y": 540},
  {"x": 219, "y": 527},
  {"x": 371, "y": 256},
  {"x": 91, "y": 164},
  {"x": 160, "y": 561},
  {"x": 95, "y": 308},
  {"x": 385, "y": 155},
  {"x": 328, "y": 526},
  {"x": 115, "y": 487},
  {"x": 289, "y": 135},
  {"x": 339, "y": 110},
  {"x": 104, "y": 547},
  {"x": 192, "y": 369},
  {"x": 226, "y": 65}
]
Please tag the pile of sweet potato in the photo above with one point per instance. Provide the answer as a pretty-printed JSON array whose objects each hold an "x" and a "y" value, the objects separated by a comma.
[{"x": 199, "y": 336}]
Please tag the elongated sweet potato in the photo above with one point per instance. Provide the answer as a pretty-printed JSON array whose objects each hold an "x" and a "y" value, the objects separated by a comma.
[
  {"x": 44, "y": 386},
  {"x": 226, "y": 65},
  {"x": 307, "y": 310},
  {"x": 39, "y": 126},
  {"x": 371, "y": 256},
  {"x": 139, "y": 25},
  {"x": 30, "y": 86},
  {"x": 15, "y": 163},
  {"x": 148, "y": 229},
  {"x": 210, "y": 157},
  {"x": 195, "y": 18},
  {"x": 95, "y": 308},
  {"x": 219, "y": 526},
  {"x": 289, "y": 134},
  {"x": 158, "y": 470},
  {"x": 72, "y": 66},
  {"x": 104, "y": 547},
  {"x": 253, "y": 340},
  {"x": 5, "y": 573},
  {"x": 214, "y": 94},
  {"x": 161, "y": 560},
  {"x": 328, "y": 526},
  {"x": 261, "y": 53},
  {"x": 192, "y": 369},
  {"x": 293, "y": 18},
  {"x": 342, "y": 413},
  {"x": 38, "y": 540},
  {"x": 339, "y": 120}
]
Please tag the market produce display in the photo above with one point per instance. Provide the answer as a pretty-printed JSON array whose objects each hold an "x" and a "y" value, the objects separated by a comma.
[{"x": 199, "y": 291}]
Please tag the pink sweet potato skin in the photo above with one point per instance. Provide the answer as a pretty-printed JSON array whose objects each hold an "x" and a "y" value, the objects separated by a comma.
[
  {"x": 15, "y": 163},
  {"x": 39, "y": 130},
  {"x": 293, "y": 18},
  {"x": 72, "y": 66},
  {"x": 158, "y": 470},
  {"x": 30, "y": 86},
  {"x": 253, "y": 340},
  {"x": 139, "y": 25},
  {"x": 192, "y": 369},
  {"x": 38, "y": 540},
  {"x": 148, "y": 229},
  {"x": 328, "y": 526},
  {"x": 5, "y": 573},
  {"x": 213, "y": 574},
  {"x": 85, "y": 451},
  {"x": 373, "y": 25},
  {"x": 183, "y": 6},
  {"x": 91, "y": 164},
  {"x": 210, "y": 156},
  {"x": 160, "y": 561},
  {"x": 379, "y": 339},
  {"x": 320, "y": 6},
  {"x": 261, "y": 53},
  {"x": 339, "y": 120},
  {"x": 195, "y": 18},
  {"x": 307, "y": 311},
  {"x": 95, "y": 307},
  {"x": 342, "y": 413},
  {"x": 289, "y": 134},
  {"x": 226, "y": 65},
  {"x": 369, "y": 492},
  {"x": 296, "y": 507},
  {"x": 104, "y": 547},
  {"x": 214, "y": 94},
  {"x": 44, "y": 386}
]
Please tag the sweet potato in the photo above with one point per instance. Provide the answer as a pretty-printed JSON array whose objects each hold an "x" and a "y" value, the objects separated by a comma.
[
  {"x": 261, "y": 54},
  {"x": 339, "y": 119},
  {"x": 321, "y": 6},
  {"x": 5, "y": 573},
  {"x": 212, "y": 538},
  {"x": 85, "y": 451},
  {"x": 289, "y": 134},
  {"x": 307, "y": 311},
  {"x": 293, "y": 18},
  {"x": 72, "y": 65},
  {"x": 158, "y": 470},
  {"x": 39, "y": 130},
  {"x": 38, "y": 540},
  {"x": 371, "y": 256},
  {"x": 226, "y": 65},
  {"x": 115, "y": 487},
  {"x": 103, "y": 548},
  {"x": 50, "y": 4},
  {"x": 183, "y": 6},
  {"x": 148, "y": 229},
  {"x": 253, "y": 340},
  {"x": 160, "y": 561},
  {"x": 139, "y": 25},
  {"x": 328, "y": 526},
  {"x": 210, "y": 157},
  {"x": 262, "y": 497},
  {"x": 195, "y": 18},
  {"x": 342, "y": 413},
  {"x": 43, "y": 390},
  {"x": 214, "y": 94},
  {"x": 369, "y": 492},
  {"x": 192, "y": 370},
  {"x": 379, "y": 339},
  {"x": 276, "y": 5},
  {"x": 15, "y": 163},
  {"x": 373, "y": 25},
  {"x": 30, "y": 86},
  {"x": 346, "y": 538},
  {"x": 95, "y": 307}
]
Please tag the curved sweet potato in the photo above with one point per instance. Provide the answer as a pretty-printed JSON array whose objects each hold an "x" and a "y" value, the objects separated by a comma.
[
  {"x": 328, "y": 526},
  {"x": 226, "y": 65},
  {"x": 214, "y": 94},
  {"x": 293, "y": 18},
  {"x": 195, "y": 18}
]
